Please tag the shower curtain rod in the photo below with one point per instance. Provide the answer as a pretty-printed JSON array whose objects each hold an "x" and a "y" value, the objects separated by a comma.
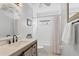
[
  {"x": 45, "y": 16},
  {"x": 75, "y": 21}
]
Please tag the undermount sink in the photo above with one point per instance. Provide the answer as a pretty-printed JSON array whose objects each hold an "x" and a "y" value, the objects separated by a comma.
[{"x": 16, "y": 44}]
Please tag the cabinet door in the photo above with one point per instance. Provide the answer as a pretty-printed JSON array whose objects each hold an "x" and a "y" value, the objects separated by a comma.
[
  {"x": 28, "y": 52},
  {"x": 34, "y": 50}
]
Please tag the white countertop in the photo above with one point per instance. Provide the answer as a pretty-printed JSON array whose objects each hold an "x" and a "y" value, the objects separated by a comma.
[{"x": 9, "y": 49}]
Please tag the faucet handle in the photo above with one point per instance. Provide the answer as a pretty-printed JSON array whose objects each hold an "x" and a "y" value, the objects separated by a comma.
[
  {"x": 15, "y": 38},
  {"x": 9, "y": 42}
]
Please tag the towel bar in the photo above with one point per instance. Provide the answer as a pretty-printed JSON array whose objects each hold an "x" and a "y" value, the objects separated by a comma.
[{"x": 75, "y": 22}]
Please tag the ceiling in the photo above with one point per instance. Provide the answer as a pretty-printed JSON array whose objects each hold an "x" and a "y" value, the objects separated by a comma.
[{"x": 44, "y": 7}]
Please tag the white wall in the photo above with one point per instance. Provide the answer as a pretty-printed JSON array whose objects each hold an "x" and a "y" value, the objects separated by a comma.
[
  {"x": 52, "y": 8},
  {"x": 5, "y": 25}
]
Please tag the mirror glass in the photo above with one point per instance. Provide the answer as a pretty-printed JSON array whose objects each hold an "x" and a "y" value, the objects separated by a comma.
[
  {"x": 73, "y": 11},
  {"x": 8, "y": 22}
]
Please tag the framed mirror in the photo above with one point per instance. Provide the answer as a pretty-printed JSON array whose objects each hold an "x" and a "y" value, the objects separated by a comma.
[{"x": 73, "y": 11}]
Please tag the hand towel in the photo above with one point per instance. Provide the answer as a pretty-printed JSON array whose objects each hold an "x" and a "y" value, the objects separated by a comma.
[
  {"x": 67, "y": 33},
  {"x": 68, "y": 36}
]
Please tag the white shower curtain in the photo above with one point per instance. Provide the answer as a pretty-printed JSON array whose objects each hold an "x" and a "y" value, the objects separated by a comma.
[{"x": 56, "y": 42}]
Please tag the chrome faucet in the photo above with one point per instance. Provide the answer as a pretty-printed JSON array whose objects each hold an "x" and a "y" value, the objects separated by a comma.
[{"x": 14, "y": 38}]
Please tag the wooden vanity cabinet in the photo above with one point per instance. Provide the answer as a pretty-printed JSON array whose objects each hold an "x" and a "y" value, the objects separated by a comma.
[
  {"x": 31, "y": 51},
  {"x": 34, "y": 50},
  {"x": 28, "y": 52}
]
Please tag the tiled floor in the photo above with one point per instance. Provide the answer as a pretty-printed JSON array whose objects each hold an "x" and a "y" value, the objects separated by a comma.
[{"x": 44, "y": 51}]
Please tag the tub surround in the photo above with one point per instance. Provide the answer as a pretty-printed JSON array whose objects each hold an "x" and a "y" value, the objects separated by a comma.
[{"x": 19, "y": 48}]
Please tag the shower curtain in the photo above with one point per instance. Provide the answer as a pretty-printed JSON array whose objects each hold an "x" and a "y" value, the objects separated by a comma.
[{"x": 56, "y": 42}]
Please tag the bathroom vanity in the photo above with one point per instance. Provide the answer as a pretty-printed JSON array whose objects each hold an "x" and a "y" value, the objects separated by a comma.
[{"x": 21, "y": 48}]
